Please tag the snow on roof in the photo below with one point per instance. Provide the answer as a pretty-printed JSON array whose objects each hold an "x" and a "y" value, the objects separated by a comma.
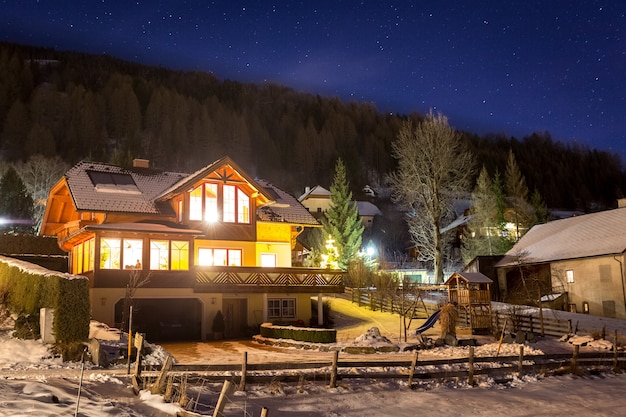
[
  {"x": 317, "y": 191},
  {"x": 595, "y": 234},
  {"x": 368, "y": 209},
  {"x": 286, "y": 208},
  {"x": 111, "y": 197},
  {"x": 36, "y": 269}
]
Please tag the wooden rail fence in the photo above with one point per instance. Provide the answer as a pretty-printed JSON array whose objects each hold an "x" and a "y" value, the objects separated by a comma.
[
  {"x": 498, "y": 368},
  {"x": 514, "y": 321}
]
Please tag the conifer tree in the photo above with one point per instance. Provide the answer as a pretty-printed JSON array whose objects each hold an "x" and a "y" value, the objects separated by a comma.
[
  {"x": 517, "y": 195},
  {"x": 342, "y": 221},
  {"x": 16, "y": 205},
  {"x": 485, "y": 229}
]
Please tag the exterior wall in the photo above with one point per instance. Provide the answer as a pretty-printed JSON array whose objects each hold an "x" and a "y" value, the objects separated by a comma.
[
  {"x": 281, "y": 250},
  {"x": 315, "y": 203},
  {"x": 247, "y": 248},
  {"x": 272, "y": 232},
  {"x": 104, "y": 300},
  {"x": 598, "y": 284}
]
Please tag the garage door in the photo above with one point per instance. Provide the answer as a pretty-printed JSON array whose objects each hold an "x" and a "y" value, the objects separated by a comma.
[{"x": 165, "y": 320}]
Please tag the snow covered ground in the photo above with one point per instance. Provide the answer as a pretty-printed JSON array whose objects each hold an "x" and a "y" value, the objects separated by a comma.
[{"x": 33, "y": 383}]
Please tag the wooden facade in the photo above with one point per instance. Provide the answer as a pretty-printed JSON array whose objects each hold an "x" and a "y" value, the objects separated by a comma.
[{"x": 215, "y": 240}]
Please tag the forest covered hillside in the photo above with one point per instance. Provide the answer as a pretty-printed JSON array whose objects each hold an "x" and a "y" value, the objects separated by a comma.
[{"x": 81, "y": 106}]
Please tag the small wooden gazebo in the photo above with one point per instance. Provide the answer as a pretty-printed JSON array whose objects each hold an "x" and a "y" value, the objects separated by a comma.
[{"x": 471, "y": 292}]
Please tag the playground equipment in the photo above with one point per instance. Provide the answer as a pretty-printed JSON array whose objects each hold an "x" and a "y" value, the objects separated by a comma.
[{"x": 430, "y": 322}]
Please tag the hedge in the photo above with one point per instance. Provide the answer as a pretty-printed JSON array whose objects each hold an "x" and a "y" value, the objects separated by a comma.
[
  {"x": 26, "y": 288},
  {"x": 302, "y": 334}
]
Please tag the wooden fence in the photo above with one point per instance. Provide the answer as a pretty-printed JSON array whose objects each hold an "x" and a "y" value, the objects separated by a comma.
[
  {"x": 181, "y": 378},
  {"x": 514, "y": 321}
]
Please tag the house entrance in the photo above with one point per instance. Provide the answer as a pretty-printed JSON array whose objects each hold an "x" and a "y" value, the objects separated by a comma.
[{"x": 235, "y": 317}]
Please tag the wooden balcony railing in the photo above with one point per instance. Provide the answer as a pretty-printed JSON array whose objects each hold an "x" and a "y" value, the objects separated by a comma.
[{"x": 258, "y": 279}]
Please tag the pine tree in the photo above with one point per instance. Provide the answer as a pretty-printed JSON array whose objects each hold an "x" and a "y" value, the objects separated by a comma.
[
  {"x": 342, "y": 221},
  {"x": 16, "y": 205},
  {"x": 486, "y": 228},
  {"x": 517, "y": 195}
]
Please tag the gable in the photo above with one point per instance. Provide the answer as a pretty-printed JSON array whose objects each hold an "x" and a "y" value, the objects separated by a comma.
[{"x": 223, "y": 170}]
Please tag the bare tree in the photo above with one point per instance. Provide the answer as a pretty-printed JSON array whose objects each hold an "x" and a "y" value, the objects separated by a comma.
[
  {"x": 39, "y": 174},
  {"x": 434, "y": 167}
]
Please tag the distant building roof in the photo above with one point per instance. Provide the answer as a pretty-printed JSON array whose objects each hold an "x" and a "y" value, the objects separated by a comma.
[
  {"x": 595, "y": 234},
  {"x": 368, "y": 209},
  {"x": 316, "y": 192}
]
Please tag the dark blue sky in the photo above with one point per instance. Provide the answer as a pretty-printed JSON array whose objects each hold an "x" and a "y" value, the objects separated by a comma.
[{"x": 492, "y": 66}]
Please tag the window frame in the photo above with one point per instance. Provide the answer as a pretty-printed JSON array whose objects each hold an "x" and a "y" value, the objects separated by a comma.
[{"x": 285, "y": 307}]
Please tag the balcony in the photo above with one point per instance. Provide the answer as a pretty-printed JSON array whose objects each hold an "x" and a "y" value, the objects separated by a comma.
[{"x": 242, "y": 279}]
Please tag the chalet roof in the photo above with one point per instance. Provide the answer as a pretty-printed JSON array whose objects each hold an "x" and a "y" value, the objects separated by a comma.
[
  {"x": 96, "y": 186},
  {"x": 101, "y": 187},
  {"x": 471, "y": 277},
  {"x": 596, "y": 234},
  {"x": 285, "y": 208}
]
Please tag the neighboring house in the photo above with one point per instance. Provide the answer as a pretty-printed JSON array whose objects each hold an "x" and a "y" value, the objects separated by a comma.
[
  {"x": 318, "y": 199},
  {"x": 213, "y": 240},
  {"x": 581, "y": 257}
]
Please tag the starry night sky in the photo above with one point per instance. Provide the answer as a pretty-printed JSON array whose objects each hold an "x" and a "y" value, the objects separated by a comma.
[{"x": 492, "y": 66}]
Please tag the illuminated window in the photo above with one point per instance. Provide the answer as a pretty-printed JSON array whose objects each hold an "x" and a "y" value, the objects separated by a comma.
[
  {"x": 195, "y": 204},
  {"x": 268, "y": 260},
  {"x": 570, "y": 276},
  {"x": 219, "y": 257},
  {"x": 229, "y": 203},
  {"x": 205, "y": 256},
  {"x": 159, "y": 254},
  {"x": 77, "y": 259},
  {"x": 243, "y": 207},
  {"x": 133, "y": 253},
  {"x": 88, "y": 255},
  {"x": 179, "y": 204},
  {"x": 180, "y": 255},
  {"x": 110, "y": 253},
  {"x": 210, "y": 203},
  {"x": 234, "y": 257},
  {"x": 281, "y": 308}
]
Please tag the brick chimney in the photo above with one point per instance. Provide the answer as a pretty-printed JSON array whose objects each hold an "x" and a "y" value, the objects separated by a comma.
[{"x": 141, "y": 163}]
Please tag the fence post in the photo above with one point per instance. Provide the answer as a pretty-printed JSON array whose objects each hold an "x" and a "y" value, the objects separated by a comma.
[
  {"x": 244, "y": 370},
  {"x": 333, "y": 370},
  {"x": 615, "y": 355},
  {"x": 264, "y": 412},
  {"x": 520, "y": 364},
  {"x": 574, "y": 361},
  {"x": 470, "y": 364},
  {"x": 412, "y": 370},
  {"x": 221, "y": 401}
]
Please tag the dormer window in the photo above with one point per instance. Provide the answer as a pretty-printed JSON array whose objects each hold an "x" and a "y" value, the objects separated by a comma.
[{"x": 204, "y": 203}]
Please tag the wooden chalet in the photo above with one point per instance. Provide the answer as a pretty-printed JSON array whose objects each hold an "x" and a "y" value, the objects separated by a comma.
[{"x": 212, "y": 240}]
